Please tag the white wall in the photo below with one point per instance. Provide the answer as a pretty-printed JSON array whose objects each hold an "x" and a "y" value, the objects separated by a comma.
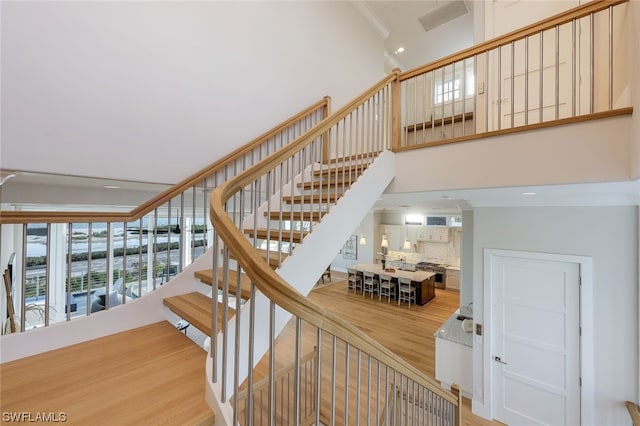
[
  {"x": 153, "y": 91},
  {"x": 608, "y": 235},
  {"x": 591, "y": 151},
  {"x": 466, "y": 259},
  {"x": 365, "y": 253}
]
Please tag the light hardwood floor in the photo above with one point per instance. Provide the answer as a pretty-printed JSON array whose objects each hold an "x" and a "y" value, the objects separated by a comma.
[
  {"x": 148, "y": 375},
  {"x": 409, "y": 332}
]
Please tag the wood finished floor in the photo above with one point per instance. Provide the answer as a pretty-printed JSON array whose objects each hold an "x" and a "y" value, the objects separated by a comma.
[
  {"x": 409, "y": 332},
  {"x": 134, "y": 377},
  {"x": 151, "y": 375}
]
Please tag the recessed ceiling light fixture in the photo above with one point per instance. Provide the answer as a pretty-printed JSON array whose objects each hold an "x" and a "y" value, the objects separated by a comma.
[
  {"x": 111, "y": 187},
  {"x": 528, "y": 193},
  {"x": 399, "y": 50}
]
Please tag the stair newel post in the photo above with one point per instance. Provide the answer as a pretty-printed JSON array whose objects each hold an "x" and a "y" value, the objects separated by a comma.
[
  {"x": 214, "y": 307},
  {"x": 455, "y": 389},
  {"x": 297, "y": 379},
  {"x": 236, "y": 364},
  {"x": 396, "y": 112},
  {"x": 318, "y": 378},
  {"x": 326, "y": 111},
  {"x": 225, "y": 316}
]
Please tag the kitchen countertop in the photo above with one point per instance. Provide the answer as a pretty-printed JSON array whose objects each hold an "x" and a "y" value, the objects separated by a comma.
[
  {"x": 376, "y": 268},
  {"x": 453, "y": 332},
  {"x": 453, "y": 268}
]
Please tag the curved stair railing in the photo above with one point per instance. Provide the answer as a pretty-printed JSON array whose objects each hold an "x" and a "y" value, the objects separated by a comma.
[
  {"x": 93, "y": 260},
  {"x": 355, "y": 374}
]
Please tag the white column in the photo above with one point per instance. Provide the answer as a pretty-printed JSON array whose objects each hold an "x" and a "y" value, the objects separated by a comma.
[{"x": 57, "y": 265}]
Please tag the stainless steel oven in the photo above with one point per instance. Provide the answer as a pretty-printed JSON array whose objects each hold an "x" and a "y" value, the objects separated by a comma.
[{"x": 439, "y": 270}]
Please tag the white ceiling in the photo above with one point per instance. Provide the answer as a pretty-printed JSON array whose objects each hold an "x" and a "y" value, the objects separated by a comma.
[
  {"x": 397, "y": 21},
  {"x": 583, "y": 194}
]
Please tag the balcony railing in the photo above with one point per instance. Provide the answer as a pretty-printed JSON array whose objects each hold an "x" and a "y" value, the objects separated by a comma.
[
  {"x": 72, "y": 264},
  {"x": 570, "y": 67}
]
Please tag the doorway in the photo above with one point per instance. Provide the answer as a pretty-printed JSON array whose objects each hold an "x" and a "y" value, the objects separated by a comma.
[{"x": 533, "y": 358}]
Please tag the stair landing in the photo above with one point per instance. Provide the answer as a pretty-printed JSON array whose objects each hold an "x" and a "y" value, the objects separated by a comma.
[{"x": 147, "y": 375}]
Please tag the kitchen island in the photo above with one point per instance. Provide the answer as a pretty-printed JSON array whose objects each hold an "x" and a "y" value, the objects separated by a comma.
[{"x": 424, "y": 282}]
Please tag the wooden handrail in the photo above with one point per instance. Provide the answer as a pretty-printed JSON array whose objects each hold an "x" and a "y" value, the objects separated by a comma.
[
  {"x": 248, "y": 175},
  {"x": 529, "y": 127},
  {"x": 276, "y": 288},
  {"x": 559, "y": 19},
  {"x": 66, "y": 217},
  {"x": 632, "y": 407}
]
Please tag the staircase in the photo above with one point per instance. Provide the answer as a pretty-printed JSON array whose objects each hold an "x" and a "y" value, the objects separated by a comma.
[
  {"x": 287, "y": 225},
  {"x": 197, "y": 308}
]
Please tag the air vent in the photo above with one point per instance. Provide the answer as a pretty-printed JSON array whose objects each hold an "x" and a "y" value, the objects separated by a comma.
[{"x": 450, "y": 11}]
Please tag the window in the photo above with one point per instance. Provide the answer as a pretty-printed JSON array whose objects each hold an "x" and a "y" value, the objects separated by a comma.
[
  {"x": 450, "y": 89},
  {"x": 414, "y": 219},
  {"x": 447, "y": 91}
]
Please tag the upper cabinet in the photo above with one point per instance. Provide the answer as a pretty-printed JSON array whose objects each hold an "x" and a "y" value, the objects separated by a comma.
[
  {"x": 396, "y": 234},
  {"x": 436, "y": 234}
]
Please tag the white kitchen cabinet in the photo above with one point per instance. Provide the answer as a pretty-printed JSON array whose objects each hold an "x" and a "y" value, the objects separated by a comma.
[
  {"x": 417, "y": 233},
  {"x": 396, "y": 234},
  {"x": 436, "y": 234},
  {"x": 455, "y": 241},
  {"x": 453, "y": 279},
  {"x": 454, "y": 364}
]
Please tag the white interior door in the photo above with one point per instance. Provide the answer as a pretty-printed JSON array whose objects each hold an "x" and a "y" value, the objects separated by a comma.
[{"x": 536, "y": 341}]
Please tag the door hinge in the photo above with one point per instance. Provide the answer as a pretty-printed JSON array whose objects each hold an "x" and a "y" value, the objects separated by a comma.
[
  {"x": 580, "y": 330},
  {"x": 580, "y": 381}
]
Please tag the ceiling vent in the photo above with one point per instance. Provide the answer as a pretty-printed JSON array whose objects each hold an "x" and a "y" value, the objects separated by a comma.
[{"x": 450, "y": 11}]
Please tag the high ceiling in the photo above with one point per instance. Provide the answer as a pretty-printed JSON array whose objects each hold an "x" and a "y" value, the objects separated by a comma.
[{"x": 450, "y": 23}]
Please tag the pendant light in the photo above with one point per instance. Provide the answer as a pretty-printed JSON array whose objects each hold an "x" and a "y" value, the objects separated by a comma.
[{"x": 407, "y": 243}]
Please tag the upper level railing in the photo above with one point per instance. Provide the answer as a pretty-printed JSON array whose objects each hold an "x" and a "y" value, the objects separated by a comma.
[
  {"x": 71, "y": 264},
  {"x": 570, "y": 67}
]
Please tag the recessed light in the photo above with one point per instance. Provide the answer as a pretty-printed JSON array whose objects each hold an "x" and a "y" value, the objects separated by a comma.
[
  {"x": 528, "y": 193},
  {"x": 112, "y": 187},
  {"x": 399, "y": 50}
]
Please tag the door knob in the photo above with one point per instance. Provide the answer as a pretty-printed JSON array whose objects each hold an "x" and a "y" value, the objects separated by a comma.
[{"x": 498, "y": 359}]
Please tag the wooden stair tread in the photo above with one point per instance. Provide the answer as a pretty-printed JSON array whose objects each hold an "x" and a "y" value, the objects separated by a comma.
[
  {"x": 274, "y": 258},
  {"x": 330, "y": 197},
  {"x": 369, "y": 156},
  {"x": 195, "y": 308},
  {"x": 327, "y": 184},
  {"x": 275, "y": 234},
  {"x": 333, "y": 171},
  {"x": 314, "y": 216},
  {"x": 205, "y": 276}
]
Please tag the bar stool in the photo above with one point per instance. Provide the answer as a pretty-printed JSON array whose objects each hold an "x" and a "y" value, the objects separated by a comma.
[
  {"x": 387, "y": 287},
  {"x": 354, "y": 281},
  {"x": 369, "y": 284},
  {"x": 406, "y": 292}
]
